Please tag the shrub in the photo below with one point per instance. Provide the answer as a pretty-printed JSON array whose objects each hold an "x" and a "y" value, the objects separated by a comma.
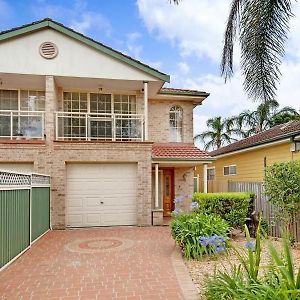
[
  {"x": 279, "y": 281},
  {"x": 233, "y": 207},
  {"x": 283, "y": 189},
  {"x": 199, "y": 234}
]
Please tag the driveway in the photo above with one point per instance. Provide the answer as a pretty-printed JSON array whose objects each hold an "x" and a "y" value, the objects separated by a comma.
[{"x": 105, "y": 263}]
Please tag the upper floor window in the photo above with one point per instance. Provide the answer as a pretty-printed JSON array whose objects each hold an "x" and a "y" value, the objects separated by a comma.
[
  {"x": 176, "y": 115},
  {"x": 125, "y": 104},
  {"x": 26, "y": 100},
  {"x": 9, "y": 100},
  {"x": 99, "y": 103},
  {"x": 32, "y": 100},
  {"x": 229, "y": 170},
  {"x": 75, "y": 102}
]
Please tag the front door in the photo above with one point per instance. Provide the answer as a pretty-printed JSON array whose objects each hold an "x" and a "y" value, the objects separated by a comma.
[{"x": 168, "y": 179}]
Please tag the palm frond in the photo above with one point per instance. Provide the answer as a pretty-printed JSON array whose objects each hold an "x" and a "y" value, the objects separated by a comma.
[
  {"x": 229, "y": 39},
  {"x": 264, "y": 28}
]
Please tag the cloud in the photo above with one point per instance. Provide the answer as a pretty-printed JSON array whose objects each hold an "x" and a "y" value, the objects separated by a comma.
[
  {"x": 78, "y": 16},
  {"x": 195, "y": 27},
  {"x": 134, "y": 48},
  {"x": 183, "y": 67}
]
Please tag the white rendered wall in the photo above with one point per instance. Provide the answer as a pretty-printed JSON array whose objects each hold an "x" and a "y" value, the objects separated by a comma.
[{"x": 21, "y": 55}]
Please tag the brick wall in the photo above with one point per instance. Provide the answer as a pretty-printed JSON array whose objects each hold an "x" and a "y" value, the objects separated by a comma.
[
  {"x": 159, "y": 128},
  {"x": 184, "y": 186}
]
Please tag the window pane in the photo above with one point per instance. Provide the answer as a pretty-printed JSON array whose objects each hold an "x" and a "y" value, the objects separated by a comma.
[
  {"x": 75, "y": 102},
  {"x": 8, "y": 100},
  {"x": 226, "y": 170},
  {"x": 124, "y": 104},
  {"x": 232, "y": 170},
  {"x": 175, "y": 123}
]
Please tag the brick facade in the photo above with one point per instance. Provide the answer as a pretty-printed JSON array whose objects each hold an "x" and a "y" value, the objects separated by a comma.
[
  {"x": 51, "y": 157},
  {"x": 159, "y": 127}
]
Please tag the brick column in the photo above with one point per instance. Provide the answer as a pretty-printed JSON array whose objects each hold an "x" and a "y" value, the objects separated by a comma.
[{"x": 50, "y": 108}]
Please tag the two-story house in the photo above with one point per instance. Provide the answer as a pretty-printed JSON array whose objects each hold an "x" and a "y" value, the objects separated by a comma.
[{"x": 118, "y": 146}]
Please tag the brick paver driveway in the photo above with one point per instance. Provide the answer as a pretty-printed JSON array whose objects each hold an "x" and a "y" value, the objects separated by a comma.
[{"x": 105, "y": 263}]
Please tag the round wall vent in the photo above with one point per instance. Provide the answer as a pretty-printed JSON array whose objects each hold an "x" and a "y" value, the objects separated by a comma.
[{"x": 48, "y": 50}]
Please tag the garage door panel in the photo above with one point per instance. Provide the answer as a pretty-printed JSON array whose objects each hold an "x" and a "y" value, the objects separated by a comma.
[
  {"x": 93, "y": 219},
  {"x": 90, "y": 184},
  {"x": 110, "y": 219},
  {"x": 75, "y": 219}
]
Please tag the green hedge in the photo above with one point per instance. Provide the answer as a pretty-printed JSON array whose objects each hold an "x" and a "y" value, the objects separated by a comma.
[{"x": 232, "y": 207}]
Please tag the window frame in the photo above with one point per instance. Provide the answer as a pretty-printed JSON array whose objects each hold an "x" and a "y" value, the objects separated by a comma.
[
  {"x": 211, "y": 168},
  {"x": 112, "y": 95},
  {"x": 177, "y": 129},
  {"x": 229, "y": 173},
  {"x": 19, "y": 97}
]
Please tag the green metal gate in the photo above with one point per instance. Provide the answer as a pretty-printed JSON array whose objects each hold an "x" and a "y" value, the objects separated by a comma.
[
  {"x": 14, "y": 223},
  {"x": 40, "y": 218},
  {"x": 24, "y": 212}
]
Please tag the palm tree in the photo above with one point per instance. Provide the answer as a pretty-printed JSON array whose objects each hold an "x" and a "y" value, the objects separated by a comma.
[
  {"x": 218, "y": 134},
  {"x": 261, "y": 27},
  {"x": 249, "y": 122}
]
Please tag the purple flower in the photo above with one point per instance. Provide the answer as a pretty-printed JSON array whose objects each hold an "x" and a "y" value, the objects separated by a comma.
[
  {"x": 250, "y": 245},
  {"x": 177, "y": 211},
  {"x": 204, "y": 241},
  {"x": 220, "y": 249},
  {"x": 178, "y": 199},
  {"x": 217, "y": 242},
  {"x": 194, "y": 205}
]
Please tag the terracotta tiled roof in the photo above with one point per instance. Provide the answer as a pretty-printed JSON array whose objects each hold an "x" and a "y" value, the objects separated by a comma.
[
  {"x": 273, "y": 134},
  {"x": 184, "y": 92},
  {"x": 178, "y": 151}
]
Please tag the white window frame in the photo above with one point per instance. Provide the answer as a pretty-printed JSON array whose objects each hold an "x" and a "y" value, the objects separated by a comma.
[
  {"x": 97, "y": 92},
  {"x": 19, "y": 96},
  {"x": 229, "y": 173},
  {"x": 177, "y": 129},
  {"x": 211, "y": 168}
]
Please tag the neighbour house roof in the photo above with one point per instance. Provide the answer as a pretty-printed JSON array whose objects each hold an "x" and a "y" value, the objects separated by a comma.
[
  {"x": 178, "y": 151},
  {"x": 49, "y": 23},
  {"x": 183, "y": 92},
  {"x": 273, "y": 134}
]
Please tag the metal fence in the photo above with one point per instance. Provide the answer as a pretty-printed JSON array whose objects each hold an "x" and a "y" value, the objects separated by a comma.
[
  {"x": 263, "y": 205},
  {"x": 24, "y": 212}
]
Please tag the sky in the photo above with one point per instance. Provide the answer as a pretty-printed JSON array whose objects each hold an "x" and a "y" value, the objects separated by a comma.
[{"x": 184, "y": 41}]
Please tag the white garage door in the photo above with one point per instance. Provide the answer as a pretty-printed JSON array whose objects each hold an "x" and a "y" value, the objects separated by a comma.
[
  {"x": 101, "y": 195},
  {"x": 17, "y": 167}
]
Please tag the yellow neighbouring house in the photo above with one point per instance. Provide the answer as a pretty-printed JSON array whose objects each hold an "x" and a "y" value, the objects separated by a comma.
[{"x": 246, "y": 160}]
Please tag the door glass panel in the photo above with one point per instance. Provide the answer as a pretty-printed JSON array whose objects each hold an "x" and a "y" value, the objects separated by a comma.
[{"x": 167, "y": 186}]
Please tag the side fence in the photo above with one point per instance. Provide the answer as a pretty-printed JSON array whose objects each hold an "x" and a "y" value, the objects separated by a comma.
[
  {"x": 262, "y": 205},
  {"x": 24, "y": 212}
]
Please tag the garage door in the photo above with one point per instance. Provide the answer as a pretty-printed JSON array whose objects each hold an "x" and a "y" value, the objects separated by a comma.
[
  {"x": 101, "y": 195},
  {"x": 17, "y": 167}
]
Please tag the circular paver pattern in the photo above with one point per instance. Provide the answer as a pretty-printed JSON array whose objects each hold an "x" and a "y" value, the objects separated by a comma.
[{"x": 95, "y": 245}]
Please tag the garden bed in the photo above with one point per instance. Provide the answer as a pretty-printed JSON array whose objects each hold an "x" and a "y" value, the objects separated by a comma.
[{"x": 199, "y": 269}]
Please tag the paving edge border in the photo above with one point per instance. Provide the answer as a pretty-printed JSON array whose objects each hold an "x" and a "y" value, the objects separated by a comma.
[{"x": 183, "y": 276}]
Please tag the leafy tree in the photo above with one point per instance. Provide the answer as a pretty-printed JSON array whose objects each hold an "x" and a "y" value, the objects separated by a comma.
[
  {"x": 264, "y": 117},
  {"x": 218, "y": 134},
  {"x": 283, "y": 189},
  {"x": 284, "y": 117}
]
